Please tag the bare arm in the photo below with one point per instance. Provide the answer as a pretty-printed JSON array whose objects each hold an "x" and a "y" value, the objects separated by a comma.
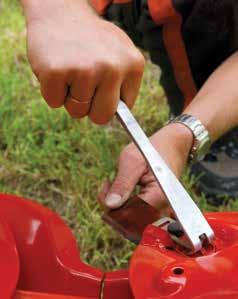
[{"x": 216, "y": 105}]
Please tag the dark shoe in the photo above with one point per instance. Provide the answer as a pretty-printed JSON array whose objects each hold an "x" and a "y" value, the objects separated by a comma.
[{"x": 218, "y": 172}]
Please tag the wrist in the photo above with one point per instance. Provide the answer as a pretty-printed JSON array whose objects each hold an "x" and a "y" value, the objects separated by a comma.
[
  {"x": 202, "y": 138},
  {"x": 181, "y": 136},
  {"x": 174, "y": 142},
  {"x": 36, "y": 10}
]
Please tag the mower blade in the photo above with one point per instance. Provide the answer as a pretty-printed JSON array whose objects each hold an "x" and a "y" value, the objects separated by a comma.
[{"x": 131, "y": 219}]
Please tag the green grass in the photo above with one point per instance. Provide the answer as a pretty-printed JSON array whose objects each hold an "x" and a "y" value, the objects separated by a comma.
[{"x": 60, "y": 162}]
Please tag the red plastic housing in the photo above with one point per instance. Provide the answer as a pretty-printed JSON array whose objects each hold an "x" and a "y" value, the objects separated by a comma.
[
  {"x": 39, "y": 256},
  {"x": 159, "y": 270},
  {"x": 40, "y": 260}
]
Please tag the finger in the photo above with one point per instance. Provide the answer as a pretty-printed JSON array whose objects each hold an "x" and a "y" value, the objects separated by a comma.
[
  {"x": 151, "y": 192},
  {"x": 82, "y": 89},
  {"x": 54, "y": 90},
  {"x": 129, "y": 173},
  {"x": 153, "y": 195},
  {"x": 75, "y": 108},
  {"x": 83, "y": 84},
  {"x": 103, "y": 193},
  {"x": 131, "y": 84},
  {"x": 130, "y": 88},
  {"x": 105, "y": 101}
]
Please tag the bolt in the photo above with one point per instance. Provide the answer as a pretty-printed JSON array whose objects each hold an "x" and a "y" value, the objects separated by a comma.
[{"x": 175, "y": 229}]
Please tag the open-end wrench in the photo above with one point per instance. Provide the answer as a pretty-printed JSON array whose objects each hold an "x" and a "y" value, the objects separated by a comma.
[{"x": 194, "y": 224}]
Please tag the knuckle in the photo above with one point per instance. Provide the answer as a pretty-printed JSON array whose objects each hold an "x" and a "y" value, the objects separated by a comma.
[
  {"x": 112, "y": 69},
  {"x": 88, "y": 73},
  {"x": 122, "y": 183},
  {"x": 138, "y": 64},
  {"x": 130, "y": 153},
  {"x": 53, "y": 68},
  {"x": 132, "y": 156},
  {"x": 46, "y": 71}
]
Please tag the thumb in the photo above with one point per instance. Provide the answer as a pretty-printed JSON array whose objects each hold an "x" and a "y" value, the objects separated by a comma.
[{"x": 129, "y": 173}]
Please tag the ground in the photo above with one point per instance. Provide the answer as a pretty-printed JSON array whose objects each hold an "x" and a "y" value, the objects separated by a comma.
[{"x": 60, "y": 162}]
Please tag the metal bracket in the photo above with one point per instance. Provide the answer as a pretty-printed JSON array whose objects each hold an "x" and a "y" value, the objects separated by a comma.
[{"x": 165, "y": 223}]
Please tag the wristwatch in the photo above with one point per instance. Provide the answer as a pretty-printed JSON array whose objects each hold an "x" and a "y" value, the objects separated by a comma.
[{"x": 202, "y": 139}]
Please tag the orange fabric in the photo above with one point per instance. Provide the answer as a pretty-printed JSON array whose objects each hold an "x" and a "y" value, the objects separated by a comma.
[
  {"x": 161, "y": 11},
  {"x": 121, "y": 1},
  {"x": 101, "y": 5},
  {"x": 164, "y": 13}
]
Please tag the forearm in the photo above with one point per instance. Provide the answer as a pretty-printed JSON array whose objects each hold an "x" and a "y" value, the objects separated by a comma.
[{"x": 216, "y": 104}]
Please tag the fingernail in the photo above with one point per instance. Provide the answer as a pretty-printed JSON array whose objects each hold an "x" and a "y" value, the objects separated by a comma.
[{"x": 113, "y": 201}]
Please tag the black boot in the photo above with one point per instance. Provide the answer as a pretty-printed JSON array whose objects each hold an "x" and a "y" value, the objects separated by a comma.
[{"x": 218, "y": 172}]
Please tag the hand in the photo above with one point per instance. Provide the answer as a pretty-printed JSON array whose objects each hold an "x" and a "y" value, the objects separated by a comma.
[
  {"x": 173, "y": 143},
  {"x": 80, "y": 60}
]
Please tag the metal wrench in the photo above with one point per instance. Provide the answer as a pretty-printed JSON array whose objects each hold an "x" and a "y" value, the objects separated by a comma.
[{"x": 194, "y": 224}]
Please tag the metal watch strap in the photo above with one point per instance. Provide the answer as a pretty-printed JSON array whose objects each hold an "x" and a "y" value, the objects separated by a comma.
[{"x": 202, "y": 139}]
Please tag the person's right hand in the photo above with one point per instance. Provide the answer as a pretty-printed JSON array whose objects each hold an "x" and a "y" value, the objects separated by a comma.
[
  {"x": 173, "y": 142},
  {"x": 81, "y": 61}
]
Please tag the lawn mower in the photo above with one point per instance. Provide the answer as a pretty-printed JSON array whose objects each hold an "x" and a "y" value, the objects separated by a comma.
[{"x": 188, "y": 255}]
